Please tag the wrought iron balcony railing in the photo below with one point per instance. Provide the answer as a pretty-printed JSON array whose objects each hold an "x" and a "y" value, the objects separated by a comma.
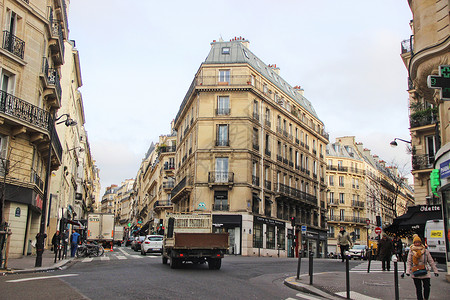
[
  {"x": 221, "y": 206},
  {"x": 423, "y": 117},
  {"x": 268, "y": 184},
  {"x": 36, "y": 179},
  {"x": 162, "y": 203},
  {"x": 357, "y": 204},
  {"x": 13, "y": 44},
  {"x": 255, "y": 180},
  {"x": 296, "y": 194},
  {"x": 223, "y": 111},
  {"x": 222, "y": 143},
  {"x": 165, "y": 149},
  {"x": 420, "y": 162},
  {"x": 220, "y": 177}
]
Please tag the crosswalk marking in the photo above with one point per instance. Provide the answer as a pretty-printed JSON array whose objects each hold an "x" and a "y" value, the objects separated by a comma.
[
  {"x": 121, "y": 257},
  {"x": 357, "y": 296},
  {"x": 307, "y": 297},
  {"x": 375, "y": 267},
  {"x": 104, "y": 258},
  {"x": 88, "y": 259}
]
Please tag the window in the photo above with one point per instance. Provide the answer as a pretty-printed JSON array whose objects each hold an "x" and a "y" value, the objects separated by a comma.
[
  {"x": 331, "y": 232},
  {"x": 222, "y": 135},
  {"x": 281, "y": 238},
  {"x": 257, "y": 235},
  {"x": 221, "y": 200},
  {"x": 341, "y": 198},
  {"x": 341, "y": 180},
  {"x": 431, "y": 148},
  {"x": 267, "y": 116},
  {"x": 223, "y": 105},
  {"x": 267, "y": 142},
  {"x": 331, "y": 180},
  {"x": 224, "y": 76},
  {"x": 7, "y": 82},
  {"x": 221, "y": 169},
  {"x": 357, "y": 233},
  {"x": 255, "y": 139},
  {"x": 267, "y": 207},
  {"x": 225, "y": 50},
  {"x": 255, "y": 204},
  {"x": 342, "y": 214},
  {"x": 270, "y": 242}
]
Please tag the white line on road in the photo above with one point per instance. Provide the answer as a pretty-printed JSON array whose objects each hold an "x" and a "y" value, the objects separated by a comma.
[
  {"x": 123, "y": 251},
  {"x": 308, "y": 297},
  {"x": 121, "y": 257},
  {"x": 89, "y": 259},
  {"x": 136, "y": 256},
  {"x": 104, "y": 258},
  {"x": 42, "y": 277},
  {"x": 355, "y": 295}
]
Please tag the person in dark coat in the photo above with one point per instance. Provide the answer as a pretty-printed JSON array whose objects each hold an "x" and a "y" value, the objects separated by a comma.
[
  {"x": 385, "y": 252},
  {"x": 398, "y": 248},
  {"x": 56, "y": 241}
]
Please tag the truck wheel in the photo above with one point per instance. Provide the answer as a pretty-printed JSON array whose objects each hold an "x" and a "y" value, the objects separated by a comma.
[
  {"x": 143, "y": 252},
  {"x": 214, "y": 264},
  {"x": 164, "y": 260},
  {"x": 174, "y": 263}
]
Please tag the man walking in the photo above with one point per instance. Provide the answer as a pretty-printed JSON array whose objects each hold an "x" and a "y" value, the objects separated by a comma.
[
  {"x": 385, "y": 252},
  {"x": 344, "y": 241},
  {"x": 74, "y": 240}
]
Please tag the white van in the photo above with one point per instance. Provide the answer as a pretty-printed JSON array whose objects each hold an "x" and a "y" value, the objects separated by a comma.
[{"x": 435, "y": 239}]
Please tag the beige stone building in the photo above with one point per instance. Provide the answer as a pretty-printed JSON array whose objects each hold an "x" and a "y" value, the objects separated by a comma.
[
  {"x": 123, "y": 202},
  {"x": 423, "y": 54},
  {"x": 250, "y": 150},
  {"x": 363, "y": 192},
  {"x": 108, "y": 204},
  {"x": 31, "y": 53}
]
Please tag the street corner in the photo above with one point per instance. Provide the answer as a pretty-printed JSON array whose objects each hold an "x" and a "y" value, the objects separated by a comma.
[{"x": 302, "y": 286}]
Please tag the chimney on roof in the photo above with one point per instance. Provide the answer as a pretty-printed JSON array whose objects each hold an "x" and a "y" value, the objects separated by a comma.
[
  {"x": 275, "y": 69},
  {"x": 299, "y": 89}
]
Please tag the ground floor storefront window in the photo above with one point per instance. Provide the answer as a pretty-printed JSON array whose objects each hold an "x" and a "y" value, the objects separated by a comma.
[{"x": 257, "y": 235}]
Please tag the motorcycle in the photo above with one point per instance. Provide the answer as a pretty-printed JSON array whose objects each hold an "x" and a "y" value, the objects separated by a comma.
[{"x": 90, "y": 250}]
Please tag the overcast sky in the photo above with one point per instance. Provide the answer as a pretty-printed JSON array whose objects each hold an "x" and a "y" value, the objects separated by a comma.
[{"x": 138, "y": 59}]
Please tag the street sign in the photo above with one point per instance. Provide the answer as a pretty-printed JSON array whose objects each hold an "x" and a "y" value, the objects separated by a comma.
[
  {"x": 441, "y": 82},
  {"x": 367, "y": 221},
  {"x": 378, "y": 230},
  {"x": 304, "y": 228}
]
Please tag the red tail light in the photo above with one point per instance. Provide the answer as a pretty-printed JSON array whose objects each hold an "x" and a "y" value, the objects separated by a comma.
[
  {"x": 181, "y": 254},
  {"x": 147, "y": 242}
]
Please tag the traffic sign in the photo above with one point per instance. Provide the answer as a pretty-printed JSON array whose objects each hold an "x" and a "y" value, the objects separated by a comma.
[
  {"x": 304, "y": 228},
  {"x": 378, "y": 230}
]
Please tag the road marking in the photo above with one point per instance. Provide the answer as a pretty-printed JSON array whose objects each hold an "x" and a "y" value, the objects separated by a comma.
[
  {"x": 104, "y": 258},
  {"x": 136, "y": 256},
  {"x": 121, "y": 257},
  {"x": 42, "y": 277},
  {"x": 355, "y": 295},
  {"x": 123, "y": 251},
  {"x": 89, "y": 259},
  {"x": 308, "y": 297}
]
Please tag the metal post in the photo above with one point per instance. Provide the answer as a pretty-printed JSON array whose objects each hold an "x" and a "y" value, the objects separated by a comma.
[
  {"x": 299, "y": 264},
  {"x": 347, "y": 274},
  {"x": 394, "y": 259},
  {"x": 370, "y": 259},
  {"x": 311, "y": 254}
]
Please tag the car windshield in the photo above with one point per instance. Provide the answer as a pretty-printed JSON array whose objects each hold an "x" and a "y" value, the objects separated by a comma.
[
  {"x": 359, "y": 247},
  {"x": 155, "y": 238}
]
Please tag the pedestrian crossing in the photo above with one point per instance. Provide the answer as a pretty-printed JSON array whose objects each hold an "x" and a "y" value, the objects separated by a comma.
[
  {"x": 111, "y": 256},
  {"x": 375, "y": 267}
]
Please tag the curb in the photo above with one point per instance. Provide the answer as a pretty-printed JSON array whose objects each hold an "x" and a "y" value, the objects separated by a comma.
[
  {"x": 58, "y": 266},
  {"x": 293, "y": 283}
]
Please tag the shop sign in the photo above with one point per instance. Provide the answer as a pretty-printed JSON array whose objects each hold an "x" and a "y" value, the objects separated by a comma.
[
  {"x": 445, "y": 169},
  {"x": 430, "y": 208},
  {"x": 39, "y": 201},
  {"x": 17, "y": 214},
  {"x": 269, "y": 221}
]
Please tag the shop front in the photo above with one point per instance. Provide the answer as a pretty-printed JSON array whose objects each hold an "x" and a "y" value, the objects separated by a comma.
[
  {"x": 314, "y": 241},
  {"x": 231, "y": 224}
]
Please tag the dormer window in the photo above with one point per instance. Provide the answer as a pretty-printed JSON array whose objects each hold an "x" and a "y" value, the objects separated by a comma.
[{"x": 225, "y": 50}]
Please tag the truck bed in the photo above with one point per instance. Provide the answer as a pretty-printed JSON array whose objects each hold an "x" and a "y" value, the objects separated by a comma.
[{"x": 198, "y": 241}]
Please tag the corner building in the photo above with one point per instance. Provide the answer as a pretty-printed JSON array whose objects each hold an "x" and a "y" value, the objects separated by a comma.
[{"x": 250, "y": 150}]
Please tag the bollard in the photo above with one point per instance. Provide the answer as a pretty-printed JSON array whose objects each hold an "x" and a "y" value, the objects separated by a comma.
[
  {"x": 394, "y": 259},
  {"x": 311, "y": 254},
  {"x": 347, "y": 273},
  {"x": 370, "y": 259},
  {"x": 299, "y": 263}
]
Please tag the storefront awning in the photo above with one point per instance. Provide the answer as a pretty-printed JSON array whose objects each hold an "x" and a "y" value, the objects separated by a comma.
[{"x": 414, "y": 220}]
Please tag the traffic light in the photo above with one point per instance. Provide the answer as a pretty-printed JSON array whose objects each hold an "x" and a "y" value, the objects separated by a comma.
[
  {"x": 293, "y": 221},
  {"x": 435, "y": 181}
]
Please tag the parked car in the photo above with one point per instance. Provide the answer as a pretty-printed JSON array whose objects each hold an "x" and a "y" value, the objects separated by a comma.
[
  {"x": 136, "y": 243},
  {"x": 359, "y": 252},
  {"x": 152, "y": 244},
  {"x": 129, "y": 240}
]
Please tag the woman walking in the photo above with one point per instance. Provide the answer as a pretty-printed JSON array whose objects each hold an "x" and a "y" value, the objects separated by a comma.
[{"x": 418, "y": 258}]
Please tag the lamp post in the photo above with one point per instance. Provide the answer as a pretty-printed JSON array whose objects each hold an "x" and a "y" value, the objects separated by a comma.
[
  {"x": 394, "y": 143},
  {"x": 40, "y": 237}
]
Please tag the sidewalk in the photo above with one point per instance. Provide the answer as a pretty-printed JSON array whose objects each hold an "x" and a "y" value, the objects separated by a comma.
[
  {"x": 26, "y": 264},
  {"x": 363, "y": 285}
]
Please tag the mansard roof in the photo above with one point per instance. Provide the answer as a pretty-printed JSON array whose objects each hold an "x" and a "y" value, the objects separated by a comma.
[{"x": 239, "y": 53}]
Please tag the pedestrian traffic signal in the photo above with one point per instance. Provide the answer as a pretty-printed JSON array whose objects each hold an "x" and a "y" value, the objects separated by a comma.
[
  {"x": 293, "y": 221},
  {"x": 435, "y": 181}
]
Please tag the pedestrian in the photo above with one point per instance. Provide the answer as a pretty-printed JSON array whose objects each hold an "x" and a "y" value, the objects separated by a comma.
[
  {"x": 74, "y": 240},
  {"x": 344, "y": 241},
  {"x": 418, "y": 258},
  {"x": 385, "y": 252},
  {"x": 56, "y": 241}
]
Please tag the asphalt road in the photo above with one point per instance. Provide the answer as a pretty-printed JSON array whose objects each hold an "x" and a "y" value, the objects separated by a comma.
[{"x": 125, "y": 274}]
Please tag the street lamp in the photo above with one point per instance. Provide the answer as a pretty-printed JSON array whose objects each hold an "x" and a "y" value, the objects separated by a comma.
[
  {"x": 394, "y": 143},
  {"x": 41, "y": 235}
]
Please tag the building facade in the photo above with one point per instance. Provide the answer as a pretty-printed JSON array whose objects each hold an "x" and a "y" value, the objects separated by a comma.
[
  {"x": 250, "y": 150},
  {"x": 31, "y": 55},
  {"x": 108, "y": 204}
]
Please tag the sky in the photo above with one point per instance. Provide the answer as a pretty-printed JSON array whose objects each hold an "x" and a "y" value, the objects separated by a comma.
[{"x": 138, "y": 59}]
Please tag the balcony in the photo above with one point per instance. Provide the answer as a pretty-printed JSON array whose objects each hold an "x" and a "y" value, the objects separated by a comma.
[
  {"x": 422, "y": 162},
  {"x": 37, "y": 121},
  {"x": 36, "y": 179},
  {"x": 168, "y": 185},
  {"x": 220, "y": 178},
  {"x": 52, "y": 84},
  {"x": 13, "y": 44},
  {"x": 354, "y": 220},
  {"x": 56, "y": 41},
  {"x": 267, "y": 152},
  {"x": 162, "y": 204},
  {"x": 221, "y": 206},
  {"x": 268, "y": 123},
  {"x": 222, "y": 143},
  {"x": 293, "y": 193},
  {"x": 223, "y": 111},
  {"x": 183, "y": 188},
  {"x": 255, "y": 180},
  {"x": 297, "y": 141},
  {"x": 332, "y": 203},
  {"x": 423, "y": 117},
  {"x": 279, "y": 158},
  {"x": 358, "y": 204},
  {"x": 167, "y": 149},
  {"x": 256, "y": 116},
  {"x": 268, "y": 185},
  {"x": 255, "y": 146},
  {"x": 285, "y": 161},
  {"x": 406, "y": 46}
]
